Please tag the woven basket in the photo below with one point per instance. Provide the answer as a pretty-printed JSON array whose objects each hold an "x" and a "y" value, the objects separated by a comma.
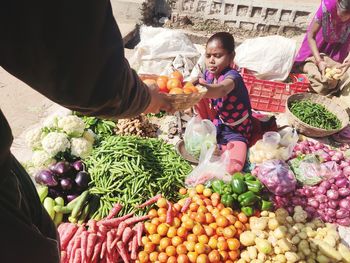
[
  {"x": 329, "y": 104},
  {"x": 180, "y": 102}
]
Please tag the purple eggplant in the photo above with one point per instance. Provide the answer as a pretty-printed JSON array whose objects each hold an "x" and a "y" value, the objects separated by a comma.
[
  {"x": 53, "y": 193},
  {"x": 66, "y": 183},
  {"x": 46, "y": 177},
  {"x": 82, "y": 179},
  {"x": 79, "y": 165},
  {"x": 71, "y": 197},
  {"x": 62, "y": 168}
]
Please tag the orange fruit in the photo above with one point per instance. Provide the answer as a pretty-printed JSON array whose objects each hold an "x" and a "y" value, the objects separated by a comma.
[
  {"x": 187, "y": 91},
  {"x": 164, "y": 243},
  {"x": 177, "y": 75},
  {"x": 199, "y": 188},
  {"x": 194, "y": 89},
  {"x": 181, "y": 249},
  {"x": 200, "y": 218},
  {"x": 222, "y": 221},
  {"x": 155, "y": 221},
  {"x": 177, "y": 222},
  {"x": 153, "y": 213},
  {"x": 203, "y": 239},
  {"x": 213, "y": 242},
  {"x": 162, "y": 257},
  {"x": 198, "y": 230},
  {"x": 190, "y": 245},
  {"x": 143, "y": 256},
  {"x": 188, "y": 84},
  {"x": 171, "y": 259},
  {"x": 162, "y": 86},
  {"x": 222, "y": 246},
  {"x": 170, "y": 251},
  {"x": 172, "y": 231},
  {"x": 233, "y": 255},
  {"x": 155, "y": 238},
  {"x": 163, "y": 78},
  {"x": 209, "y": 231},
  {"x": 229, "y": 232},
  {"x": 192, "y": 237},
  {"x": 224, "y": 255},
  {"x": 192, "y": 256},
  {"x": 189, "y": 224},
  {"x": 242, "y": 217},
  {"x": 214, "y": 256},
  {"x": 182, "y": 232},
  {"x": 192, "y": 192},
  {"x": 176, "y": 241},
  {"x": 182, "y": 259},
  {"x": 232, "y": 219},
  {"x": 162, "y": 229},
  {"x": 194, "y": 207},
  {"x": 161, "y": 203},
  {"x": 202, "y": 258},
  {"x": 202, "y": 209},
  {"x": 207, "y": 192},
  {"x": 226, "y": 211},
  {"x": 150, "y": 82},
  {"x": 153, "y": 256},
  {"x": 177, "y": 207},
  {"x": 183, "y": 191},
  {"x": 176, "y": 91},
  {"x": 174, "y": 83},
  {"x": 145, "y": 240},
  {"x": 199, "y": 248},
  {"x": 149, "y": 247},
  {"x": 162, "y": 218},
  {"x": 238, "y": 225},
  {"x": 151, "y": 228},
  {"x": 233, "y": 244}
]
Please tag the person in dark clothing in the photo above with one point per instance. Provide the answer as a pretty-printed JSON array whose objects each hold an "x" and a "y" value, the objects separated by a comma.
[{"x": 72, "y": 52}]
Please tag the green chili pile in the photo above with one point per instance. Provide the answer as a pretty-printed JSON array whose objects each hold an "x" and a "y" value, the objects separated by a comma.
[
  {"x": 130, "y": 170},
  {"x": 315, "y": 115}
]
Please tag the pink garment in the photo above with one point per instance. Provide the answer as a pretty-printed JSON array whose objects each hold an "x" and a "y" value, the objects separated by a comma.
[
  {"x": 238, "y": 154},
  {"x": 333, "y": 39}
]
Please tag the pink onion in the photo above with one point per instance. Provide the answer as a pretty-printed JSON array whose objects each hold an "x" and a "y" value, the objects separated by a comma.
[
  {"x": 332, "y": 181},
  {"x": 346, "y": 171},
  {"x": 345, "y": 204},
  {"x": 308, "y": 192},
  {"x": 325, "y": 184},
  {"x": 330, "y": 212},
  {"x": 332, "y": 152},
  {"x": 344, "y": 221},
  {"x": 342, "y": 213},
  {"x": 334, "y": 187},
  {"x": 333, "y": 204},
  {"x": 342, "y": 182},
  {"x": 332, "y": 194},
  {"x": 313, "y": 203},
  {"x": 343, "y": 164},
  {"x": 321, "y": 198},
  {"x": 320, "y": 190},
  {"x": 322, "y": 206},
  {"x": 344, "y": 191}
]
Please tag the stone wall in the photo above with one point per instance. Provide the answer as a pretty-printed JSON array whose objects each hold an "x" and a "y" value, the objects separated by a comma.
[{"x": 264, "y": 15}]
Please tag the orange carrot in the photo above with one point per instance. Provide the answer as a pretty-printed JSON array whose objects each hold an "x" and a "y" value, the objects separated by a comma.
[
  {"x": 122, "y": 251},
  {"x": 67, "y": 235},
  {"x": 127, "y": 233},
  {"x": 109, "y": 241},
  {"x": 83, "y": 245},
  {"x": 134, "y": 247},
  {"x": 64, "y": 257},
  {"x": 76, "y": 246},
  {"x": 135, "y": 220},
  {"x": 114, "y": 211},
  {"x": 121, "y": 228},
  {"x": 150, "y": 201},
  {"x": 103, "y": 250},
  {"x": 77, "y": 256},
  {"x": 139, "y": 231},
  {"x": 169, "y": 213},
  {"x": 92, "y": 224},
  {"x": 186, "y": 204},
  {"x": 114, "y": 222},
  {"x": 102, "y": 231},
  {"x": 92, "y": 238},
  {"x": 97, "y": 250}
]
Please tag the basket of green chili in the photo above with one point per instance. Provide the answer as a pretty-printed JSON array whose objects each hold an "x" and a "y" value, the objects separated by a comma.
[{"x": 315, "y": 115}]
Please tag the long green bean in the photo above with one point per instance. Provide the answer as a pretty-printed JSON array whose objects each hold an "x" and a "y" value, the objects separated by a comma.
[{"x": 130, "y": 170}]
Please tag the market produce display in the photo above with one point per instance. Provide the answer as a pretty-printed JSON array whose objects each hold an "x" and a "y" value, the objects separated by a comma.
[
  {"x": 244, "y": 193},
  {"x": 198, "y": 228},
  {"x": 109, "y": 240},
  {"x": 315, "y": 115},
  {"x": 100, "y": 127},
  {"x": 282, "y": 237},
  {"x": 130, "y": 169},
  {"x": 333, "y": 73},
  {"x": 139, "y": 126}
]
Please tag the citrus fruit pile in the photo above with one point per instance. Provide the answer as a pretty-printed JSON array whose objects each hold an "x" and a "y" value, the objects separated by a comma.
[
  {"x": 197, "y": 228},
  {"x": 173, "y": 84}
]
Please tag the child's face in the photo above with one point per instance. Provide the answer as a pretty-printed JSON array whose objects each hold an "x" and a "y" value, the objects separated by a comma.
[
  {"x": 217, "y": 58},
  {"x": 343, "y": 15}
]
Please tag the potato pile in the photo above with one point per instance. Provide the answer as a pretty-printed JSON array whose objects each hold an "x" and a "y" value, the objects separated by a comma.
[
  {"x": 333, "y": 73},
  {"x": 139, "y": 126},
  {"x": 279, "y": 237}
]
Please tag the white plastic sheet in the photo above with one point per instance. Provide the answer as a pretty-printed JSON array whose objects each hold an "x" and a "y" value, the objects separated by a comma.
[
  {"x": 271, "y": 57},
  {"x": 161, "y": 50}
]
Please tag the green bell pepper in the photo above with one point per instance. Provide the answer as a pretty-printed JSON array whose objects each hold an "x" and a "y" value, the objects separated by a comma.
[
  {"x": 266, "y": 205},
  {"x": 238, "y": 185},
  {"x": 235, "y": 196},
  {"x": 248, "y": 198},
  {"x": 227, "y": 200},
  {"x": 218, "y": 186},
  {"x": 254, "y": 186},
  {"x": 248, "y": 211},
  {"x": 249, "y": 177},
  {"x": 238, "y": 175},
  {"x": 227, "y": 189}
]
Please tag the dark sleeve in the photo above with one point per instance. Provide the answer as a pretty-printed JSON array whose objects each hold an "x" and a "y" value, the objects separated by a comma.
[{"x": 72, "y": 52}]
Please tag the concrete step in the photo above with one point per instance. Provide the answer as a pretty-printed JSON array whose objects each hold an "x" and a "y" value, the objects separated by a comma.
[{"x": 127, "y": 10}]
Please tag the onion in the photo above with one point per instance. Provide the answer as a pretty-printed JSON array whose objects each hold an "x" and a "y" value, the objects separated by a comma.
[
  {"x": 332, "y": 194},
  {"x": 342, "y": 213},
  {"x": 342, "y": 182},
  {"x": 332, "y": 152},
  {"x": 345, "y": 204},
  {"x": 344, "y": 221},
  {"x": 321, "y": 198},
  {"x": 330, "y": 212},
  {"x": 344, "y": 191},
  {"x": 333, "y": 204},
  {"x": 310, "y": 210},
  {"x": 313, "y": 203},
  {"x": 346, "y": 171},
  {"x": 325, "y": 184},
  {"x": 78, "y": 165},
  {"x": 334, "y": 187},
  {"x": 308, "y": 192},
  {"x": 332, "y": 181},
  {"x": 343, "y": 164},
  {"x": 320, "y": 190}
]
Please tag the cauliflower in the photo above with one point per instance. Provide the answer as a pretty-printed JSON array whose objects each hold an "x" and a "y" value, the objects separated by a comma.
[
  {"x": 41, "y": 159},
  {"x": 33, "y": 138},
  {"x": 80, "y": 147},
  {"x": 51, "y": 121},
  {"x": 72, "y": 125},
  {"x": 55, "y": 142},
  {"x": 89, "y": 135}
]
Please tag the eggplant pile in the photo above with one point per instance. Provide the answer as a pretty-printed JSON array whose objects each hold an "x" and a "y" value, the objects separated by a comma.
[{"x": 64, "y": 179}]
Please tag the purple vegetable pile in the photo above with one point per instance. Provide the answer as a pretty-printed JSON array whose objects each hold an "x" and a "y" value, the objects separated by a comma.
[{"x": 64, "y": 179}]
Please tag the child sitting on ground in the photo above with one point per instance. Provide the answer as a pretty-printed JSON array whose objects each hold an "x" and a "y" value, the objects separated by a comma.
[{"x": 227, "y": 101}]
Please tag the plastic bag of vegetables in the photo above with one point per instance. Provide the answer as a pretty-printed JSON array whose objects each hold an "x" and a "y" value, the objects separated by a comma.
[
  {"x": 277, "y": 177},
  {"x": 307, "y": 169},
  {"x": 209, "y": 168},
  {"x": 198, "y": 133}
]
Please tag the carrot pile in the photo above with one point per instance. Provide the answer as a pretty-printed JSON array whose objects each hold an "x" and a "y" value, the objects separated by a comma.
[
  {"x": 198, "y": 228},
  {"x": 109, "y": 240}
]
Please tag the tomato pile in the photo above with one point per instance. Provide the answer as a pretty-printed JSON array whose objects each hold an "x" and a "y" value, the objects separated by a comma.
[
  {"x": 201, "y": 230},
  {"x": 173, "y": 84}
]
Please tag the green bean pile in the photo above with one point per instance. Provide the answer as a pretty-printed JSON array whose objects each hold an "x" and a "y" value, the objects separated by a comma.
[
  {"x": 130, "y": 170},
  {"x": 315, "y": 115}
]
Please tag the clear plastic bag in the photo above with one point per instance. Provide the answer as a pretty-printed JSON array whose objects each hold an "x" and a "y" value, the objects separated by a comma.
[
  {"x": 210, "y": 167},
  {"x": 277, "y": 177},
  {"x": 199, "y": 133},
  {"x": 307, "y": 169}
]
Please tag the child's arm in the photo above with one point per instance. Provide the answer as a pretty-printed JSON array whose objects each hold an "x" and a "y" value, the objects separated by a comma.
[{"x": 218, "y": 90}]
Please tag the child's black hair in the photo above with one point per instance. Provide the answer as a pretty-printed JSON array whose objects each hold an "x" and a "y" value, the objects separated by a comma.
[
  {"x": 344, "y": 5},
  {"x": 226, "y": 39}
]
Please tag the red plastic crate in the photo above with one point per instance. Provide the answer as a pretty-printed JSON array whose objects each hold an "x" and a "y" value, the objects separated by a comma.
[{"x": 271, "y": 96}]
